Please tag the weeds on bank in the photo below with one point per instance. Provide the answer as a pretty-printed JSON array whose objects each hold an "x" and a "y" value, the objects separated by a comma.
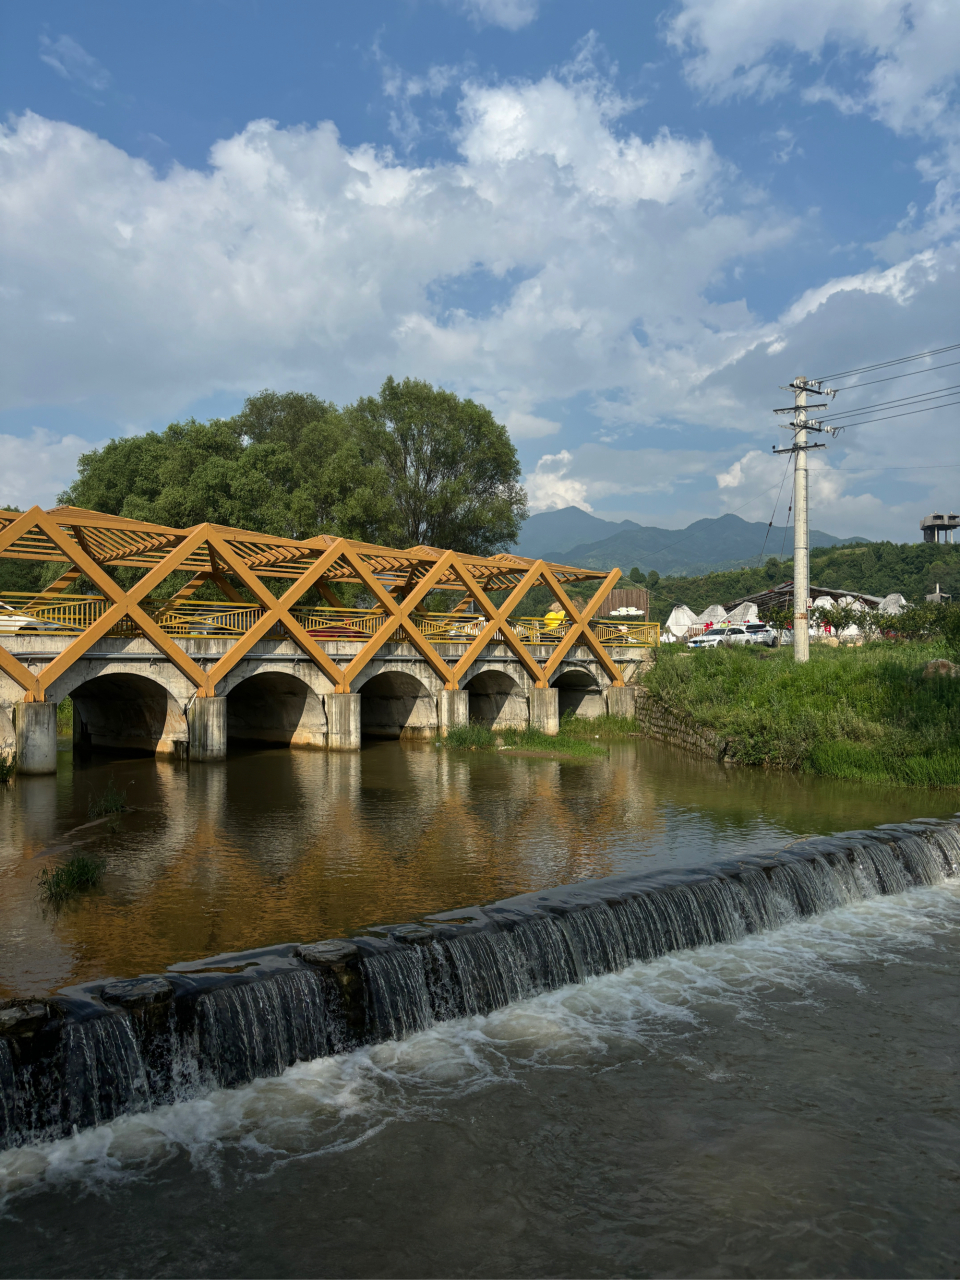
[
  {"x": 73, "y": 877},
  {"x": 64, "y": 717},
  {"x": 563, "y": 743},
  {"x": 469, "y": 737},
  {"x": 864, "y": 713},
  {"x": 576, "y": 737},
  {"x": 111, "y": 801},
  {"x": 8, "y": 766}
]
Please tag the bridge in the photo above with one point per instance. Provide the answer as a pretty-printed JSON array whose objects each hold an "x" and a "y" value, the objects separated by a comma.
[{"x": 176, "y": 641}]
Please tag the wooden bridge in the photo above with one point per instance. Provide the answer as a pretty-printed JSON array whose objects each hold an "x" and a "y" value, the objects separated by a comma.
[{"x": 152, "y": 665}]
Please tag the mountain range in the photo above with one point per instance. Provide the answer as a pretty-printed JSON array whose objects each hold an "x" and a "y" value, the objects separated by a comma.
[{"x": 575, "y": 537}]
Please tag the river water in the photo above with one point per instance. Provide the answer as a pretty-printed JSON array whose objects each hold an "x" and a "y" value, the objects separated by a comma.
[{"x": 782, "y": 1105}]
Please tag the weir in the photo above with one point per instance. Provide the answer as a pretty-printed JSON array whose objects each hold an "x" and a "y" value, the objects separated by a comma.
[{"x": 97, "y": 1051}]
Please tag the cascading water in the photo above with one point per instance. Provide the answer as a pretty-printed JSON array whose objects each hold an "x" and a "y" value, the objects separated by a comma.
[{"x": 97, "y": 1051}]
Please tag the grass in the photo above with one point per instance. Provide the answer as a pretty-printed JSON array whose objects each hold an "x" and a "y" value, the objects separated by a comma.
[
  {"x": 8, "y": 766},
  {"x": 577, "y": 737},
  {"x": 864, "y": 714},
  {"x": 111, "y": 801},
  {"x": 73, "y": 877},
  {"x": 65, "y": 717}
]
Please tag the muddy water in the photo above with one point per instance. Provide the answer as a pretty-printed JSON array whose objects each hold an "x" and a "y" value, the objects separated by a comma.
[{"x": 279, "y": 846}]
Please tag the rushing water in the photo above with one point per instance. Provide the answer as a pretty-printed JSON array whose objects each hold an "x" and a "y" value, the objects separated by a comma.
[{"x": 747, "y": 1071}]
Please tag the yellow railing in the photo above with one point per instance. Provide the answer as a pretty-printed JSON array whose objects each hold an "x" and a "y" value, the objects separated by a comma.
[{"x": 74, "y": 614}]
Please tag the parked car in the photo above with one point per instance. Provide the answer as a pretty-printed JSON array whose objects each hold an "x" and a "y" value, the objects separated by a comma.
[
  {"x": 752, "y": 633},
  {"x": 709, "y": 640}
]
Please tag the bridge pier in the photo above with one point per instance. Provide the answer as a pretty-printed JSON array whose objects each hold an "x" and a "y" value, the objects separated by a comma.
[
  {"x": 453, "y": 709},
  {"x": 207, "y": 720},
  {"x": 545, "y": 711},
  {"x": 621, "y": 701},
  {"x": 343, "y": 721},
  {"x": 35, "y": 724}
]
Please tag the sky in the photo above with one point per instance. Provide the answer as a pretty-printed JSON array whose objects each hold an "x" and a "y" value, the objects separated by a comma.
[{"x": 622, "y": 226}]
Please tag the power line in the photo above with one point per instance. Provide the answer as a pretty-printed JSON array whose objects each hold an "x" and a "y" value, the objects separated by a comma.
[
  {"x": 774, "y": 516},
  {"x": 886, "y": 404},
  {"x": 909, "y": 414},
  {"x": 927, "y": 466},
  {"x": 885, "y": 364},
  {"x": 913, "y": 373}
]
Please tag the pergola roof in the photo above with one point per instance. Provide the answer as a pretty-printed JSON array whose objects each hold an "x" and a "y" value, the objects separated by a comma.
[
  {"x": 781, "y": 597},
  {"x": 119, "y": 540}
]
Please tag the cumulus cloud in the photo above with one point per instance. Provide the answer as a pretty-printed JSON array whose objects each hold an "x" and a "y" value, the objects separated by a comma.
[
  {"x": 511, "y": 14},
  {"x": 72, "y": 62},
  {"x": 38, "y": 467},
  {"x": 294, "y": 259},
  {"x": 595, "y": 473}
]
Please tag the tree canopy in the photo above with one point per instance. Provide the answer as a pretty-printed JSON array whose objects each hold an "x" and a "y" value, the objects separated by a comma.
[{"x": 415, "y": 465}]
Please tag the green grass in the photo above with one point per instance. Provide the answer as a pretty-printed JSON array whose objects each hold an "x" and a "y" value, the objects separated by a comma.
[
  {"x": 863, "y": 713},
  {"x": 563, "y": 743},
  {"x": 73, "y": 877},
  {"x": 469, "y": 737},
  {"x": 111, "y": 801},
  {"x": 65, "y": 717}
]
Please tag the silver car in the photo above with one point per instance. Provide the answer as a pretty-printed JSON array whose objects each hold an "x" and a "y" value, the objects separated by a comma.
[
  {"x": 752, "y": 633},
  {"x": 709, "y": 640}
]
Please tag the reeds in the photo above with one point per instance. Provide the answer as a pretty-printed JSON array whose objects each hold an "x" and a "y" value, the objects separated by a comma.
[{"x": 71, "y": 878}]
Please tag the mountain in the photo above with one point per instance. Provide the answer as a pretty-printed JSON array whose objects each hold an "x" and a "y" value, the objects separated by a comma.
[
  {"x": 552, "y": 531},
  {"x": 708, "y": 545}
]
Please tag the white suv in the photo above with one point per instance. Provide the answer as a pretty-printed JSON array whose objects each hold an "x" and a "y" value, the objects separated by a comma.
[{"x": 752, "y": 633}]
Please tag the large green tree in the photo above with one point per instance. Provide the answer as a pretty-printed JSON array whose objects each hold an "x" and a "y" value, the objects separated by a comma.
[
  {"x": 414, "y": 465},
  {"x": 452, "y": 472}
]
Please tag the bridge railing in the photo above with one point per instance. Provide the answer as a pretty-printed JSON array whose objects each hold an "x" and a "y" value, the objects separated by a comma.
[{"x": 73, "y": 614}]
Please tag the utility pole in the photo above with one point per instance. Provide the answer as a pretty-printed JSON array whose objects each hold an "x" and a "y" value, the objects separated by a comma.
[{"x": 800, "y": 425}]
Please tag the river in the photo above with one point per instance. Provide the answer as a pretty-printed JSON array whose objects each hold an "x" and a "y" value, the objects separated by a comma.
[{"x": 784, "y": 1104}]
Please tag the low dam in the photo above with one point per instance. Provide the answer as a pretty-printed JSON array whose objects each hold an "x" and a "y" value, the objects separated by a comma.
[{"x": 103, "y": 1049}]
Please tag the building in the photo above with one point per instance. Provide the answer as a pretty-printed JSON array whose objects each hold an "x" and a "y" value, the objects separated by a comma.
[{"x": 934, "y": 525}]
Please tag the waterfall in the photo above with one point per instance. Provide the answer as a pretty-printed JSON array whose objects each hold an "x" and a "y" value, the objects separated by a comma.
[{"x": 103, "y": 1049}]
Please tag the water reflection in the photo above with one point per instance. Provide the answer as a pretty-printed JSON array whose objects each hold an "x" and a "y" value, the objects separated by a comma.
[{"x": 274, "y": 846}]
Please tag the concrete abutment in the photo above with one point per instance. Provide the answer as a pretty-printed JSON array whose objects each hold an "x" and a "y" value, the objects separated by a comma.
[{"x": 35, "y": 726}]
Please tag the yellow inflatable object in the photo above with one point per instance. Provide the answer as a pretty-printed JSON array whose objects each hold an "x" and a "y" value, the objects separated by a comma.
[{"x": 554, "y": 618}]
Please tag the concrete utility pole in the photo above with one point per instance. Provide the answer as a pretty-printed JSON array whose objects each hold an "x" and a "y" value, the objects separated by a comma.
[{"x": 801, "y": 528}]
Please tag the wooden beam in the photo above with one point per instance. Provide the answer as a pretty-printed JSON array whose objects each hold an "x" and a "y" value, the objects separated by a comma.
[
  {"x": 498, "y": 622},
  {"x": 581, "y": 627}
]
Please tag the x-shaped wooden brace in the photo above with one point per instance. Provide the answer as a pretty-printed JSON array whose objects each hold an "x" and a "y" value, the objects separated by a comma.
[
  {"x": 497, "y": 621},
  {"x": 399, "y": 614},
  {"x": 22, "y": 675},
  {"x": 580, "y": 631},
  {"x": 276, "y": 611},
  {"x": 125, "y": 604}
]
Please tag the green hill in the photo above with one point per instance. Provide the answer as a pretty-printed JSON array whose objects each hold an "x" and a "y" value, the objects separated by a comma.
[{"x": 912, "y": 568}]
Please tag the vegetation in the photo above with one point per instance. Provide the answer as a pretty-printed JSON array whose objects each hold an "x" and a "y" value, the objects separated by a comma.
[
  {"x": 74, "y": 876},
  {"x": 577, "y": 737},
  {"x": 65, "y": 716},
  {"x": 877, "y": 568},
  {"x": 8, "y": 766},
  {"x": 864, "y": 713},
  {"x": 413, "y": 465},
  {"x": 111, "y": 801}
]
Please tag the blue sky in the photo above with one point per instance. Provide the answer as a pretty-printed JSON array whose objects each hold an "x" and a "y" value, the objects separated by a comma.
[{"x": 621, "y": 225}]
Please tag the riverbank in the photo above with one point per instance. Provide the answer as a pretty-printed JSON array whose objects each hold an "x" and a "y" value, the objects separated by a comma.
[
  {"x": 577, "y": 737},
  {"x": 863, "y": 714}
]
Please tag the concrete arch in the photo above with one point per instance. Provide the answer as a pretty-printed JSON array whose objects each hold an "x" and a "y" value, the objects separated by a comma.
[
  {"x": 416, "y": 669},
  {"x": 128, "y": 711},
  {"x": 277, "y": 708},
  {"x": 397, "y": 704},
  {"x": 579, "y": 691},
  {"x": 497, "y": 700}
]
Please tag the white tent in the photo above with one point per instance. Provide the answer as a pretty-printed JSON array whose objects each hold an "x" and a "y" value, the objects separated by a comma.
[
  {"x": 680, "y": 619},
  {"x": 713, "y": 613},
  {"x": 744, "y": 613},
  {"x": 893, "y": 603}
]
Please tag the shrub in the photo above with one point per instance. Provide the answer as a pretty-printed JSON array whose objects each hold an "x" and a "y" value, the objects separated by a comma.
[{"x": 73, "y": 877}]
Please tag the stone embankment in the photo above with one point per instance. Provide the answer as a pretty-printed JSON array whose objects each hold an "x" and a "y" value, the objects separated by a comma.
[{"x": 657, "y": 721}]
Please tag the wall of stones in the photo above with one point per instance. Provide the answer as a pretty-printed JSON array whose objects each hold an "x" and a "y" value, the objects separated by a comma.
[{"x": 654, "y": 720}]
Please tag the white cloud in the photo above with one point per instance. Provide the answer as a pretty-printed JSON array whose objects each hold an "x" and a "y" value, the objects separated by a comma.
[
  {"x": 511, "y": 14},
  {"x": 38, "y": 467},
  {"x": 527, "y": 426},
  {"x": 71, "y": 61},
  {"x": 595, "y": 472},
  {"x": 296, "y": 260}
]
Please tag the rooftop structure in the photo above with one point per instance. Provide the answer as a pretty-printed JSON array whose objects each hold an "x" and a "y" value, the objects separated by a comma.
[{"x": 937, "y": 523}]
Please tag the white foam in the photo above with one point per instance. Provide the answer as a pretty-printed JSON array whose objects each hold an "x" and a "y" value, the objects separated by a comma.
[{"x": 333, "y": 1103}]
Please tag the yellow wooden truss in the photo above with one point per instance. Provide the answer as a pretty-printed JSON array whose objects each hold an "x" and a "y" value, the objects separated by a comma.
[{"x": 91, "y": 542}]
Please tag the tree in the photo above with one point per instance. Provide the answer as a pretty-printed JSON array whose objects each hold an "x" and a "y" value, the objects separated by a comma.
[
  {"x": 652, "y": 578},
  {"x": 637, "y": 577},
  {"x": 452, "y": 471}
]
